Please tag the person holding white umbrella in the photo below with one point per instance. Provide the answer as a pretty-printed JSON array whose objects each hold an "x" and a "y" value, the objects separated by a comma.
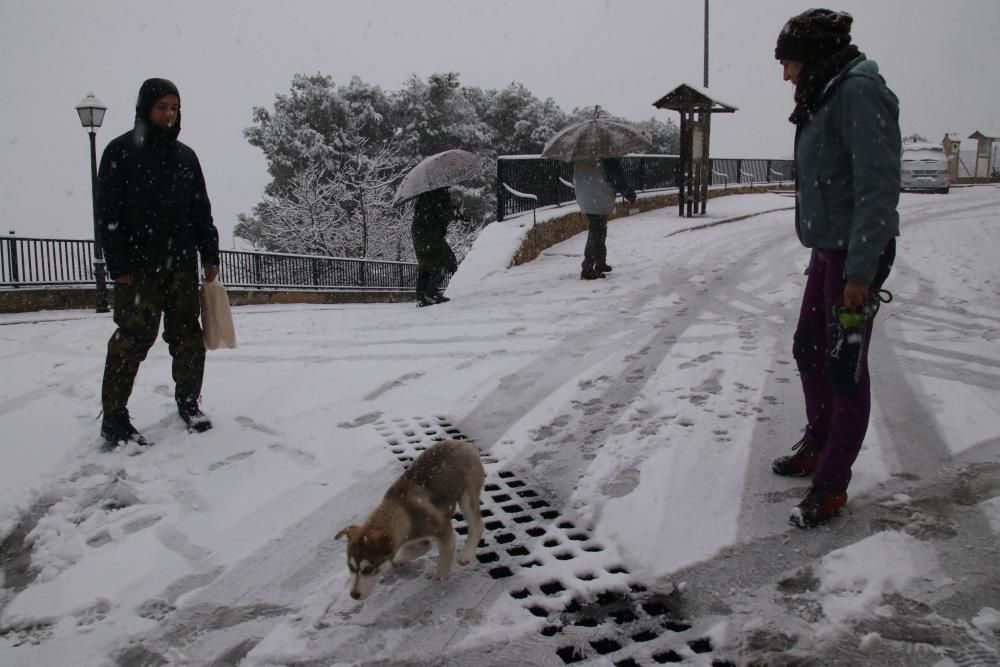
[{"x": 433, "y": 211}]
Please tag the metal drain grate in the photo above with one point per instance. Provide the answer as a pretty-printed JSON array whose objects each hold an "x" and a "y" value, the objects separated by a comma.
[{"x": 559, "y": 571}]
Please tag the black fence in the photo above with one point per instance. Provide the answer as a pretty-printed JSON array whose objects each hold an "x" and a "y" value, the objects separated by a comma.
[
  {"x": 274, "y": 270},
  {"x": 525, "y": 182},
  {"x": 45, "y": 262},
  {"x": 27, "y": 262}
]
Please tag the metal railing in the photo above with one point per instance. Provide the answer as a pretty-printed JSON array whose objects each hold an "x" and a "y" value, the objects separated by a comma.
[
  {"x": 286, "y": 271},
  {"x": 548, "y": 179},
  {"x": 28, "y": 261},
  {"x": 34, "y": 262}
]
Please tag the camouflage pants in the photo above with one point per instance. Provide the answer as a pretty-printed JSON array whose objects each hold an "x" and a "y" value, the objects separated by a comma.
[{"x": 137, "y": 313}]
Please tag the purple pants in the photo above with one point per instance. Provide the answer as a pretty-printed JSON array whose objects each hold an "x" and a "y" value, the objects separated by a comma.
[{"x": 837, "y": 418}]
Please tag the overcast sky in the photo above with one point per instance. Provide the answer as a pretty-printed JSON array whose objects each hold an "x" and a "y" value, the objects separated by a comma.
[{"x": 940, "y": 57}]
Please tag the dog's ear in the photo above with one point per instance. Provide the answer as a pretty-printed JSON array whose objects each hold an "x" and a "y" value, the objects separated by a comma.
[{"x": 347, "y": 532}]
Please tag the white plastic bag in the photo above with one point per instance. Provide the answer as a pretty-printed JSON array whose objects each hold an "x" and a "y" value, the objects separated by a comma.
[{"x": 216, "y": 316}]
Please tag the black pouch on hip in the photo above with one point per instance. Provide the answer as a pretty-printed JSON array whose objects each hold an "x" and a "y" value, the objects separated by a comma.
[{"x": 846, "y": 345}]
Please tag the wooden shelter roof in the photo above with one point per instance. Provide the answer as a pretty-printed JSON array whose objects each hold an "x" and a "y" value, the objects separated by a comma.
[
  {"x": 978, "y": 134},
  {"x": 687, "y": 97}
]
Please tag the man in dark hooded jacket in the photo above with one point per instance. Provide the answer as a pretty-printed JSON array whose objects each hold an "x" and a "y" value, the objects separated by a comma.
[
  {"x": 155, "y": 219},
  {"x": 847, "y": 157}
]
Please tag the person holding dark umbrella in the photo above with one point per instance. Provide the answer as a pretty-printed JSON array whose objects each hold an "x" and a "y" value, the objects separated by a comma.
[
  {"x": 593, "y": 146},
  {"x": 596, "y": 183}
]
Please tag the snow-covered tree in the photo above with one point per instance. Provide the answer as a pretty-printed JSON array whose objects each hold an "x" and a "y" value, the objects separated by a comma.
[
  {"x": 306, "y": 216},
  {"x": 312, "y": 125},
  {"x": 439, "y": 114},
  {"x": 665, "y": 136},
  {"x": 371, "y": 176},
  {"x": 336, "y": 155},
  {"x": 521, "y": 123},
  {"x": 915, "y": 138}
]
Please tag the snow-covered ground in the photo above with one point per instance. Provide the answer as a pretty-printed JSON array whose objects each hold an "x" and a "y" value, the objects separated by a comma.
[{"x": 627, "y": 427}]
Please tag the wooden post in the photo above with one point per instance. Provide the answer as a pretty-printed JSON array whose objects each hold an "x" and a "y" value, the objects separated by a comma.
[
  {"x": 682, "y": 165},
  {"x": 705, "y": 161}
]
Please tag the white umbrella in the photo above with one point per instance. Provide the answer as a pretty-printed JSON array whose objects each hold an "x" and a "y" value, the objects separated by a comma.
[
  {"x": 597, "y": 138},
  {"x": 437, "y": 171}
]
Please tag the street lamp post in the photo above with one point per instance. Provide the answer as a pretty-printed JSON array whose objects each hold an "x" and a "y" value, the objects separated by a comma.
[{"x": 91, "y": 112}]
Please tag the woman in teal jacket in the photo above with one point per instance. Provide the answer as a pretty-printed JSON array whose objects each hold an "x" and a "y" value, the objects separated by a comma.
[{"x": 847, "y": 159}]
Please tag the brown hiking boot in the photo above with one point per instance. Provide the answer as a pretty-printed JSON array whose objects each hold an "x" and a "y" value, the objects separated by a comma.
[
  {"x": 818, "y": 507},
  {"x": 800, "y": 464}
]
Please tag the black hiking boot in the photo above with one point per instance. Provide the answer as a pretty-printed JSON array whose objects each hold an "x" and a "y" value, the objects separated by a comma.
[
  {"x": 800, "y": 464},
  {"x": 603, "y": 268},
  {"x": 117, "y": 431},
  {"x": 440, "y": 298},
  {"x": 818, "y": 507},
  {"x": 590, "y": 274},
  {"x": 196, "y": 420}
]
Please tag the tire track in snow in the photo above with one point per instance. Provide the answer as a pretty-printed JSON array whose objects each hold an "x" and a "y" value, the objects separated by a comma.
[{"x": 561, "y": 459}]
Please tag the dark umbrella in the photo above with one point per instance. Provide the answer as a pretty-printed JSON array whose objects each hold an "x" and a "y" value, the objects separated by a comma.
[{"x": 594, "y": 139}]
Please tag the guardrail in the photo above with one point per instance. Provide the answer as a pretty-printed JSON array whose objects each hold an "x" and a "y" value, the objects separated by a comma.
[
  {"x": 36, "y": 262},
  {"x": 547, "y": 179},
  {"x": 29, "y": 261},
  {"x": 527, "y": 197}
]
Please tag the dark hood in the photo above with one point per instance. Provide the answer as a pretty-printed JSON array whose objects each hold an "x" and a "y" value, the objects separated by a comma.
[{"x": 150, "y": 91}]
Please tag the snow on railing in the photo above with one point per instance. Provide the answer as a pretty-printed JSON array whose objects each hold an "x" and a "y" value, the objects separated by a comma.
[
  {"x": 524, "y": 195},
  {"x": 724, "y": 176}
]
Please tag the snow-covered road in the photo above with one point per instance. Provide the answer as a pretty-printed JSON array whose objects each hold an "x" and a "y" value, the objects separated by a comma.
[{"x": 626, "y": 425}]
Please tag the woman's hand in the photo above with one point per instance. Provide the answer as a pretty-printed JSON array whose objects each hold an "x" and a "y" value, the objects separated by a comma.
[{"x": 855, "y": 294}]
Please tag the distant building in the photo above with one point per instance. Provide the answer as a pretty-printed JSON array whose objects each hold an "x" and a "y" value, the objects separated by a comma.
[
  {"x": 983, "y": 164},
  {"x": 952, "y": 148}
]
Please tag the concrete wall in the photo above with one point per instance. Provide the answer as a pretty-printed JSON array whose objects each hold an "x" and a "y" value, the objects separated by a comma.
[
  {"x": 22, "y": 300},
  {"x": 550, "y": 232}
]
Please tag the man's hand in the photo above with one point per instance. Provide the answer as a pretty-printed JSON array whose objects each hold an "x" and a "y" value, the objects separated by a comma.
[
  {"x": 125, "y": 279},
  {"x": 855, "y": 294},
  {"x": 211, "y": 273}
]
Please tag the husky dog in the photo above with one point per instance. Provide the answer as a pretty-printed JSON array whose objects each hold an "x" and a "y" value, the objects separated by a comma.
[{"x": 417, "y": 509}]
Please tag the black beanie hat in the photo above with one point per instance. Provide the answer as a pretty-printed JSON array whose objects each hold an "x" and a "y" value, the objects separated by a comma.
[
  {"x": 814, "y": 35},
  {"x": 150, "y": 91}
]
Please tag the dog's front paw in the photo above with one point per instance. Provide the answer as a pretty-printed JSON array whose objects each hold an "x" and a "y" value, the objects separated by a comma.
[{"x": 434, "y": 575}]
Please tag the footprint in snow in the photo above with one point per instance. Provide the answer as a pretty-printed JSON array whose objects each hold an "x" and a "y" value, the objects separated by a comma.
[
  {"x": 296, "y": 454},
  {"x": 371, "y": 417},
  {"x": 250, "y": 423},
  {"x": 230, "y": 460}
]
